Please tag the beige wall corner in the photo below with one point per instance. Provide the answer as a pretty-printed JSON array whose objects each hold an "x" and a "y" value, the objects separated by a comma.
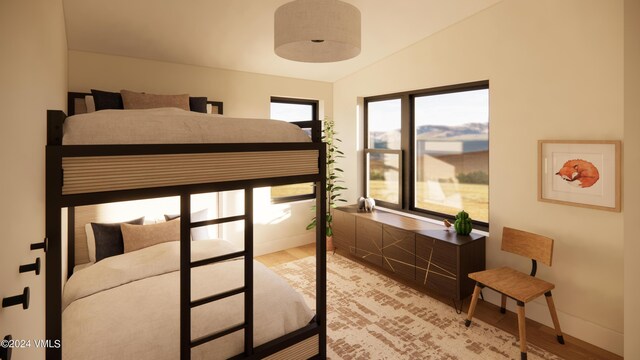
[
  {"x": 631, "y": 173},
  {"x": 33, "y": 73},
  {"x": 555, "y": 72}
]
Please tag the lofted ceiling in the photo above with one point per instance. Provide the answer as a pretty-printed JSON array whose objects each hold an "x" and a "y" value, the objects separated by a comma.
[{"x": 238, "y": 34}]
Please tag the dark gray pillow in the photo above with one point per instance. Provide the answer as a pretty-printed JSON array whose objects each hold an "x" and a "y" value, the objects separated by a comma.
[
  {"x": 107, "y": 100},
  {"x": 170, "y": 217},
  {"x": 198, "y": 104},
  {"x": 109, "y": 238}
]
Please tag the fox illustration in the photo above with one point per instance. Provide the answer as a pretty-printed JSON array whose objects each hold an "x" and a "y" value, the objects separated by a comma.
[{"x": 581, "y": 171}]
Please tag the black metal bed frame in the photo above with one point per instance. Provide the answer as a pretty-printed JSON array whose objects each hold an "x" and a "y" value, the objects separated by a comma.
[{"x": 56, "y": 201}]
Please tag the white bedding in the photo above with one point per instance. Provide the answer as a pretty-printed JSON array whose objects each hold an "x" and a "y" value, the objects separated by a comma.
[
  {"x": 127, "y": 306},
  {"x": 173, "y": 126}
]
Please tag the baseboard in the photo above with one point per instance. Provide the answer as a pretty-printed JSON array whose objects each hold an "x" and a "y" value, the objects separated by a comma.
[
  {"x": 279, "y": 244},
  {"x": 582, "y": 329}
]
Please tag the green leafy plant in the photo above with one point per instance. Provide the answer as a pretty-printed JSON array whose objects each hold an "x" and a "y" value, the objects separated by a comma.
[{"x": 334, "y": 182}]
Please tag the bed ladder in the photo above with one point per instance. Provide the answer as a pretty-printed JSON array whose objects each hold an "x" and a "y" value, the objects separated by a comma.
[{"x": 186, "y": 304}]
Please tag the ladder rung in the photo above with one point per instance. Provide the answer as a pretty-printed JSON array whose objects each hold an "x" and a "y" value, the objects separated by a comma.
[
  {"x": 216, "y": 259},
  {"x": 226, "y": 294},
  {"x": 217, "y": 221},
  {"x": 206, "y": 339}
]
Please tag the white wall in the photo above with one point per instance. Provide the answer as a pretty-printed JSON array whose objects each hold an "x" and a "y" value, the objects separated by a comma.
[
  {"x": 33, "y": 78},
  {"x": 631, "y": 174},
  {"x": 555, "y": 72},
  {"x": 244, "y": 95}
]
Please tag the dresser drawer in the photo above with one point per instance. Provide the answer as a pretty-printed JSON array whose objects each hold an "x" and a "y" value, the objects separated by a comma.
[
  {"x": 369, "y": 240},
  {"x": 398, "y": 250},
  {"x": 344, "y": 230},
  {"x": 437, "y": 265}
]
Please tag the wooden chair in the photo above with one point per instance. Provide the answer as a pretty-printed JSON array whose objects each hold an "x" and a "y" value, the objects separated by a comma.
[{"x": 517, "y": 285}]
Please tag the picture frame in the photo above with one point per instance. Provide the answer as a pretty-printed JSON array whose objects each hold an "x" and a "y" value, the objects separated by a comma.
[{"x": 584, "y": 173}]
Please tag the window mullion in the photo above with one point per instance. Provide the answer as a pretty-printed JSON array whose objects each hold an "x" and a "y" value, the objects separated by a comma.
[{"x": 405, "y": 130}]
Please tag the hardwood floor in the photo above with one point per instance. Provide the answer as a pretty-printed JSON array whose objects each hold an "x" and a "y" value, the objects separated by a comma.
[
  {"x": 538, "y": 334},
  {"x": 284, "y": 256}
]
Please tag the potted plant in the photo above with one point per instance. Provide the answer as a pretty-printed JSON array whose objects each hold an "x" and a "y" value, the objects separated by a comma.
[{"x": 334, "y": 182}]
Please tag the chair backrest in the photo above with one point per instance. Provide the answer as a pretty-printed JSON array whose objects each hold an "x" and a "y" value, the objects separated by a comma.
[{"x": 533, "y": 246}]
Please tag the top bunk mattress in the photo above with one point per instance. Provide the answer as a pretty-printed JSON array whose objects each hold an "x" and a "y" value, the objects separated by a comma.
[{"x": 174, "y": 126}]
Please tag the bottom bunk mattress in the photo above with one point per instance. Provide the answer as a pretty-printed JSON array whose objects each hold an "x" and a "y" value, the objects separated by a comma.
[{"x": 128, "y": 306}]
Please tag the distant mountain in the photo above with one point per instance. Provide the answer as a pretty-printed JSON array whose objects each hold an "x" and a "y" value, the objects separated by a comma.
[
  {"x": 467, "y": 131},
  {"x": 443, "y": 131}
]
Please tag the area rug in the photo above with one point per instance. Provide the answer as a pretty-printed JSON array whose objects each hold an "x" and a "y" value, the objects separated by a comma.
[{"x": 370, "y": 316}]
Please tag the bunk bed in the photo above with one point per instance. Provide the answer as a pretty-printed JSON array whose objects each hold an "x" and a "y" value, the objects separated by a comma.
[{"x": 81, "y": 175}]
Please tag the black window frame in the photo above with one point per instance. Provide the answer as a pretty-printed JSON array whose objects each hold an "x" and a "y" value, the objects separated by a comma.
[
  {"x": 401, "y": 152},
  {"x": 407, "y": 147},
  {"x": 315, "y": 106}
]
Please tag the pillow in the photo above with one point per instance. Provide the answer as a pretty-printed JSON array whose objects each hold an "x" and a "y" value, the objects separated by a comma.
[
  {"x": 134, "y": 100},
  {"x": 91, "y": 105},
  {"x": 105, "y": 240},
  {"x": 81, "y": 267},
  {"x": 199, "y": 233},
  {"x": 138, "y": 237},
  {"x": 198, "y": 104},
  {"x": 107, "y": 100}
]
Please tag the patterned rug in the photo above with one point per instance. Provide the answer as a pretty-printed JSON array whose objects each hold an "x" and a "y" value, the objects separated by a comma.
[{"x": 370, "y": 316}]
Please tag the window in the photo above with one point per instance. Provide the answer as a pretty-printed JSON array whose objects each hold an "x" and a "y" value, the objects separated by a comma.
[
  {"x": 383, "y": 152},
  {"x": 427, "y": 151},
  {"x": 293, "y": 110}
]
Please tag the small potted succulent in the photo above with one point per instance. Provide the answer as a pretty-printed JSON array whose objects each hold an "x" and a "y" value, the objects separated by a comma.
[{"x": 463, "y": 223}]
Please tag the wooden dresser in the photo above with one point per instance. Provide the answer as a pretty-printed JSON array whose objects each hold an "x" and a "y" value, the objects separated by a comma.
[{"x": 419, "y": 251}]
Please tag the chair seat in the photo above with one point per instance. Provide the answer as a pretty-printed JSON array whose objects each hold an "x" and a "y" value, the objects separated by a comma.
[{"x": 513, "y": 283}]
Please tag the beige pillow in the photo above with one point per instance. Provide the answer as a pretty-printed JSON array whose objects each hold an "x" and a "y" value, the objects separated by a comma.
[
  {"x": 135, "y": 100},
  {"x": 136, "y": 237}
]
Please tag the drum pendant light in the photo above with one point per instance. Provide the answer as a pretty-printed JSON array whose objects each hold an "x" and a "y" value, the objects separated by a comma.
[{"x": 317, "y": 31}]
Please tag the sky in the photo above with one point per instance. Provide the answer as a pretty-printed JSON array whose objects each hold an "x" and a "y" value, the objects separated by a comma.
[
  {"x": 291, "y": 112},
  {"x": 445, "y": 109}
]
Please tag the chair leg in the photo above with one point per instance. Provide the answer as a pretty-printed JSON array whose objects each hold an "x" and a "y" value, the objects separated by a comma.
[
  {"x": 474, "y": 302},
  {"x": 503, "y": 305},
  {"x": 554, "y": 316},
  {"x": 522, "y": 331}
]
